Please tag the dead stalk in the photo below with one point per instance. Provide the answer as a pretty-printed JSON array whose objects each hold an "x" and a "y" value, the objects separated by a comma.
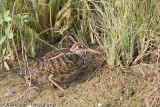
[
  {"x": 141, "y": 55},
  {"x": 52, "y": 33},
  {"x": 15, "y": 49},
  {"x": 22, "y": 42}
]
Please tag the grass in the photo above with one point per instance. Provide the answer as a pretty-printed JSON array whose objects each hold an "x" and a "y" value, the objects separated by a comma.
[
  {"x": 127, "y": 31},
  {"x": 124, "y": 29}
]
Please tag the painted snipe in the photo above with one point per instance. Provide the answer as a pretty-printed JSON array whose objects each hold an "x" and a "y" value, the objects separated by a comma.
[{"x": 63, "y": 61}]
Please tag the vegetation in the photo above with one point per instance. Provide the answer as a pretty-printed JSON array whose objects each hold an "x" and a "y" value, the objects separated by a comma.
[{"x": 126, "y": 30}]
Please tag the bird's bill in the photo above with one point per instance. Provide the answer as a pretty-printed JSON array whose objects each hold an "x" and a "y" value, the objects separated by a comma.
[{"x": 94, "y": 51}]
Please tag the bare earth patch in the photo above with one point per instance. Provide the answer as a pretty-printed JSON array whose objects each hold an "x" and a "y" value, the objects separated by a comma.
[{"x": 138, "y": 86}]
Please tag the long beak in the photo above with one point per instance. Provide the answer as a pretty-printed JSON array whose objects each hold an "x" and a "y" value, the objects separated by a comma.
[{"x": 93, "y": 51}]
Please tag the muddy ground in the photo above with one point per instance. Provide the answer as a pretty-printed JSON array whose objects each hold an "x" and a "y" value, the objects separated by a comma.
[{"x": 95, "y": 85}]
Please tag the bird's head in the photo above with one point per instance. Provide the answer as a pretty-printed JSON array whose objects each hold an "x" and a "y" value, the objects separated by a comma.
[{"x": 81, "y": 49}]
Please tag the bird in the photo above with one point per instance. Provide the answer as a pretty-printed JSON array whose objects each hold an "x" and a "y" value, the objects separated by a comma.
[{"x": 63, "y": 61}]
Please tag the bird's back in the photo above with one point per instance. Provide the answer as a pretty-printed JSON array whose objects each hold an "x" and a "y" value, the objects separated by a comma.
[{"x": 59, "y": 61}]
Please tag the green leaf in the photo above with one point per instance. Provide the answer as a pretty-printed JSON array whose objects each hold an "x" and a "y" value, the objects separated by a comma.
[
  {"x": 25, "y": 20},
  {"x": 6, "y": 14},
  {"x": 10, "y": 35},
  {"x": 1, "y": 20},
  {"x": 2, "y": 39},
  {"x": 19, "y": 15},
  {"x": 7, "y": 19},
  {"x": 25, "y": 16},
  {"x": 1, "y": 15},
  {"x": 7, "y": 29}
]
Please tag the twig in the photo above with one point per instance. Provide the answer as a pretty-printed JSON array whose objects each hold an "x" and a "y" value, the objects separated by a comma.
[
  {"x": 47, "y": 43},
  {"x": 15, "y": 49},
  {"x": 141, "y": 55},
  {"x": 51, "y": 21},
  {"x": 21, "y": 96},
  {"x": 22, "y": 44},
  {"x": 25, "y": 56},
  {"x": 66, "y": 37},
  {"x": 13, "y": 12},
  {"x": 98, "y": 67},
  {"x": 43, "y": 40},
  {"x": 2, "y": 6}
]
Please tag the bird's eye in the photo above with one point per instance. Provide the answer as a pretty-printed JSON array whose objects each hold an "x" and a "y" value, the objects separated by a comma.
[{"x": 80, "y": 46}]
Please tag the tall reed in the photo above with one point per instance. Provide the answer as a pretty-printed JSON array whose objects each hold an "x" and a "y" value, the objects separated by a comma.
[{"x": 126, "y": 30}]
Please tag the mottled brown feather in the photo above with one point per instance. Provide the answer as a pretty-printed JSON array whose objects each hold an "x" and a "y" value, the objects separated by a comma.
[{"x": 59, "y": 61}]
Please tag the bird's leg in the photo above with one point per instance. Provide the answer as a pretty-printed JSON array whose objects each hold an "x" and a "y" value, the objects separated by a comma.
[{"x": 55, "y": 83}]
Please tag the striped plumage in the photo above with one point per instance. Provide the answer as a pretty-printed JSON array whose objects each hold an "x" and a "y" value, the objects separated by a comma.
[
  {"x": 63, "y": 60},
  {"x": 59, "y": 61}
]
